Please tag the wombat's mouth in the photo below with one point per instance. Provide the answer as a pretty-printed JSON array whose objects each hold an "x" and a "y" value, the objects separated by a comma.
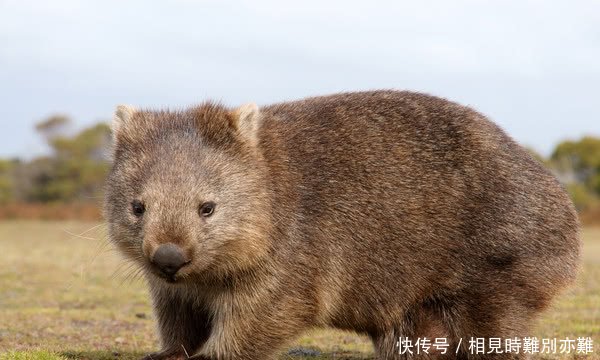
[{"x": 171, "y": 279}]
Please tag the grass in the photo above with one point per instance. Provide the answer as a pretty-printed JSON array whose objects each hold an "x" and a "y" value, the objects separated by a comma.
[{"x": 64, "y": 294}]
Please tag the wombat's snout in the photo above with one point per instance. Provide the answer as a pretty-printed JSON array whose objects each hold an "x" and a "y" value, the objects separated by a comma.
[{"x": 169, "y": 258}]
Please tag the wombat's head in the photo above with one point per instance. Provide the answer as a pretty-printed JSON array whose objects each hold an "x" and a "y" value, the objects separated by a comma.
[{"x": 186, "y": 196}]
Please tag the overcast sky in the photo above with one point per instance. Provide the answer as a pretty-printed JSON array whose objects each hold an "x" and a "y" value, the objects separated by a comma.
[{"x": 531, "y": 66}]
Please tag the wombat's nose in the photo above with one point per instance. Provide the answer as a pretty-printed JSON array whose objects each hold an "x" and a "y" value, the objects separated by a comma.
[{"x": 169, "y": 259}]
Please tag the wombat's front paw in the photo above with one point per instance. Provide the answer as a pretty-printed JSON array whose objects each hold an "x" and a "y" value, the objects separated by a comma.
[{"x": 166, "y": 355}]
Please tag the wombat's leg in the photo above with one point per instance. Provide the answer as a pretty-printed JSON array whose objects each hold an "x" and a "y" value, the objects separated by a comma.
[
  {"x": 414, "y": 335},
  {"x": 183, "y": 326},
  {"x": 385, "y": 343},
  {"x": 166, "y": 355},
  {"x": 492, "y": 311},
  {"x": 254, "y": 341},
  {"x": 241, "y": 332},
  {"x": 483, "y": 312}
]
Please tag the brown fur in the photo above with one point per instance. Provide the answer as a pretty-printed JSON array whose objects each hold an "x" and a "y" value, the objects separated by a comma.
[{"x": 387, "y": 213}]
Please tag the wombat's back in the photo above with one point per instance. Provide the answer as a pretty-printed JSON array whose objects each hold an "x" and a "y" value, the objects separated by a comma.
[{"x": 412, "y": 202}]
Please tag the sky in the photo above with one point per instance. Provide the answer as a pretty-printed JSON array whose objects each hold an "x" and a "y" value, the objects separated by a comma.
[{"x": 533, "y": 67}]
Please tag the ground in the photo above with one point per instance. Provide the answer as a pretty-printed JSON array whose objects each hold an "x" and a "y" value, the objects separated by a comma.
[{"x": 65, "y": 294}]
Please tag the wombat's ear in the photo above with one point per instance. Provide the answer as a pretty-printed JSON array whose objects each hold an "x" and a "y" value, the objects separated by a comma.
[
  {"x": 122, "y": 118},
  {"x": 248, "y": 122}
]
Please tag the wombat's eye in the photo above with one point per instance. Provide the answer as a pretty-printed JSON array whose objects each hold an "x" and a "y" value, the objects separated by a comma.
[
  {"x": 207, "y": 209},
  {"x": 137, "y": 208}
]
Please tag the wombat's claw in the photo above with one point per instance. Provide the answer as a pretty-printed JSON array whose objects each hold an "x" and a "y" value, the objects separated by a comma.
[{"x": 165, "y": 355}]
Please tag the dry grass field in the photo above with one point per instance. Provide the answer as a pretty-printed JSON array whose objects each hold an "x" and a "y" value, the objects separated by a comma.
[{"x": 64, "y": 294}]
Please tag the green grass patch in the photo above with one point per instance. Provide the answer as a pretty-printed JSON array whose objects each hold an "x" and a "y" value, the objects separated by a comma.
[{"x": 67, "y": 295}]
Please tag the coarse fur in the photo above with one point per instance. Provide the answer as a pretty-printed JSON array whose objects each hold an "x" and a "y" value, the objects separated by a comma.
[{"x": 390, "y": 213}]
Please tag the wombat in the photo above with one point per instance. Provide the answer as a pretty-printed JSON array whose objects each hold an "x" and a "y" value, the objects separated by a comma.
[{"x": 389, "y": 213}]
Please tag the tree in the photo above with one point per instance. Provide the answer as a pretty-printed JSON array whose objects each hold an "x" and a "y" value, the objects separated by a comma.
[
  {"x": 77, "y": 167},
  {"x": 54, "y": 126},
  {"x": 582, "y": 158},
  {"x": 579, "y": 162}
]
